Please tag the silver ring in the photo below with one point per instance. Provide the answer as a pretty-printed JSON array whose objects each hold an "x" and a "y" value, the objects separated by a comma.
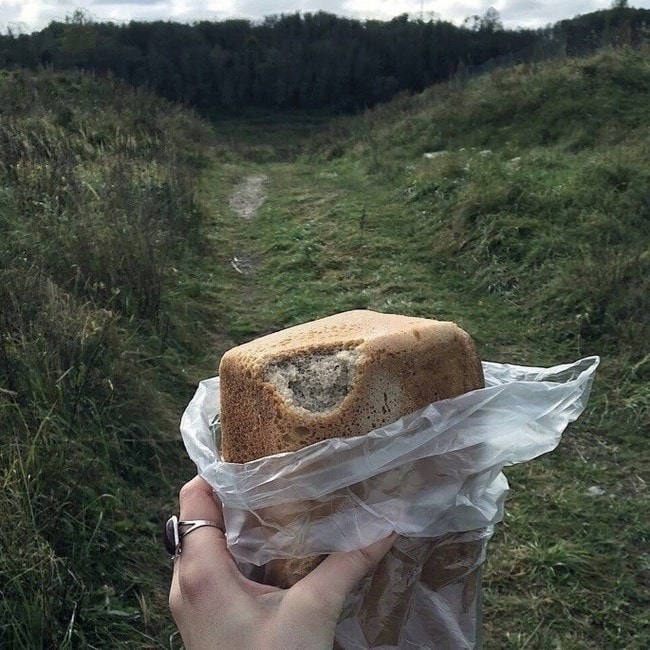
[{"x": 175, "y": 530}]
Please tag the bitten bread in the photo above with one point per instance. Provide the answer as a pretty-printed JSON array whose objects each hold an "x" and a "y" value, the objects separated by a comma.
[{"x": 343, "y": 375}]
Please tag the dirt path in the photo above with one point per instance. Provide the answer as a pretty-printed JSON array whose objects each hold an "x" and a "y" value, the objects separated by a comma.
[
  {"x": 249, "y": 196},
  {"x": 246, "y": 199}
]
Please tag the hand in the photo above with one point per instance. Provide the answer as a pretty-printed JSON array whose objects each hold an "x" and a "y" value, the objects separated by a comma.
[{"x": 215, "y": 606}]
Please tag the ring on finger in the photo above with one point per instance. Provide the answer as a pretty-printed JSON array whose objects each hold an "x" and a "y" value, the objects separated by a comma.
[{"x": 175, "y": 530}]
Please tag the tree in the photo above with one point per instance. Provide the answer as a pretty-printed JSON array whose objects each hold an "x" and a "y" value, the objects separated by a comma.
[
  {"x": 79, "y": 34},
  {"x": 491, "y": 22}
]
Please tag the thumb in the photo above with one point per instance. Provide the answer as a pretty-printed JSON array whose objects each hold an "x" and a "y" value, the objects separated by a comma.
[{"x": 339, "y": 574}]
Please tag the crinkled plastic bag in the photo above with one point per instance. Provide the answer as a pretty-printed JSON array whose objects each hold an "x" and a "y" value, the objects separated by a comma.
[{"x": 434, "y": 477}]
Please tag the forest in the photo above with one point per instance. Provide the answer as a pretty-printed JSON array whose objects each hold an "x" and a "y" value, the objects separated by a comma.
[{"x": 305, "y": 61}]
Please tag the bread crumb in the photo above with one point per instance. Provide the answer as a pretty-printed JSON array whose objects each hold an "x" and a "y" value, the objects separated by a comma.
[{"x": 315, "y": 382}]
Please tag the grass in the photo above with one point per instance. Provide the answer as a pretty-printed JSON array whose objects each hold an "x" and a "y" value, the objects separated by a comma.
[
  {"x": 119, "y": 294},
  {"x": 521, "y": 163},
  {"x": 564, "y": 567},
  {"x": 531, "y": 232},
  {"x": 99, "y": 208}
]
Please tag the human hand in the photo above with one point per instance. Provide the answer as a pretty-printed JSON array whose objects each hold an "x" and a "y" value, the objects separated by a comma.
[{"x": 215, "y": 606}]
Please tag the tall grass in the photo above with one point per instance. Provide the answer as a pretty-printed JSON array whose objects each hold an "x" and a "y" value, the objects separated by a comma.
[
  {"x": 98, "y": 208},
  {"x": 538, "y": 190}
]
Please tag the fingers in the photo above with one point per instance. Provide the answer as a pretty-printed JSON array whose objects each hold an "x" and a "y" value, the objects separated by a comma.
[
  {"x": 198, "y": 501},
  {"x": 340, "y": 573},
  {"x": 204, "y": 564}
]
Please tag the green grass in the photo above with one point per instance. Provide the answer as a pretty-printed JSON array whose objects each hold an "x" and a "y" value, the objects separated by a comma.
[
  {"x": 118, "y": 294},
  {"x": 542, "y": 259},
  {"x": 99, "y": 211},
  {"x": 264, "y": 137},
  {"x": 525, "y": 165},
  {"x": 564, "y": 568}
]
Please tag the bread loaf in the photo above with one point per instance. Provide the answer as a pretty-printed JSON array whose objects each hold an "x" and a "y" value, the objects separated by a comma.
[{"x": 343, "y": 375}]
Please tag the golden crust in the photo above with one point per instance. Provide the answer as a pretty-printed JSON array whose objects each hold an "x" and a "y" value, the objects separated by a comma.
[{"x": 404, "y": 364}]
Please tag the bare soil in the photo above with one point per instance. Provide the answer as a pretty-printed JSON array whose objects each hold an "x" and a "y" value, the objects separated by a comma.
[{"x": 249, "y": 196}]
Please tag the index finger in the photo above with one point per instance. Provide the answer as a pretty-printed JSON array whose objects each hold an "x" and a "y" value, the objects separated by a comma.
[{"x": 197, "y": 500}]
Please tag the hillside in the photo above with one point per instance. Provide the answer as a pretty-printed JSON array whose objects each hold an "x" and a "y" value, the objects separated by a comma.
[
  {"x": 125, "y": 271},
  {"x": 534, "y": 180},
  {"x": 98, "y": 211},
  {"x": 528, "y": 225}
]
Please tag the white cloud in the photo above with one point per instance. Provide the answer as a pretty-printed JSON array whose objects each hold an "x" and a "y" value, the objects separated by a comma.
[
  {"x": 536, "y": 13},
  {"x": 35, "y": 14}
]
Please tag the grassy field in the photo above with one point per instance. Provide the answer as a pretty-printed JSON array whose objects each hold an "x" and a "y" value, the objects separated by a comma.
[
  {"x": 99, "y": 212},
  {"x": 529, "y": 228}
]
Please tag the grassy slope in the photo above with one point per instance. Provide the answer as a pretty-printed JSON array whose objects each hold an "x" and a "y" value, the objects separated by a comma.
[
  {"x": 98, "y": 217},
  {"x": 364, "y": 222},
  {"x": 541, "y": 201},
  {"x": 542, "y": 259}
]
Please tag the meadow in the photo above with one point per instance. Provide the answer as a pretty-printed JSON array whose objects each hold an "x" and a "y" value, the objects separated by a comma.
[{"x": 526, "y": 223}]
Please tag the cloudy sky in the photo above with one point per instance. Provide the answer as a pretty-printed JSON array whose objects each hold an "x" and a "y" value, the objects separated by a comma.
[{"x": 28, "y": 15}]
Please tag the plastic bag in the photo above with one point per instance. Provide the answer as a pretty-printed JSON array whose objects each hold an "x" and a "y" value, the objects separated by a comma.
[{"x": 434, "y": 477}]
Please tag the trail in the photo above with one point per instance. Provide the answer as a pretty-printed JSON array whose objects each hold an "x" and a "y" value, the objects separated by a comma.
[
  {"x": 334, "y": 238},
  {"x": 249, "y": 196},
  {"x": 246, "y": 199}
]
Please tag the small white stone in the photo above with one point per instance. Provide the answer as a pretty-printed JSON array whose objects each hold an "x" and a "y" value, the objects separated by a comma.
[
  {"x": 430, "y": 155},
  {"x": 595, "y": 491}
]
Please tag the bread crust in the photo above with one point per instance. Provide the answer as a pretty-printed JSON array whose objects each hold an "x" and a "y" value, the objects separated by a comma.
[{"x": 402, "y": 364}]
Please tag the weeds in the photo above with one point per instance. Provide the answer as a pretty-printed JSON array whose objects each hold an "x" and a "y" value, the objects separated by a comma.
[
  {"x": 96, "y": 207},
  {"x": 515, "y": 200}
]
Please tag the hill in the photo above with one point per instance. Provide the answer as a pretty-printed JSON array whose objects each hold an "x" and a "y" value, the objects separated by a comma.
[
  {"x": 98, "y": 210},
  {"x": 125, "y": 272},
  {"x": 533, "y": 179}
]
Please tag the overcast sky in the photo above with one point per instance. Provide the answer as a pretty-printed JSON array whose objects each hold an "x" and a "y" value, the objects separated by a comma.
[{"x": 28, "y": 15}]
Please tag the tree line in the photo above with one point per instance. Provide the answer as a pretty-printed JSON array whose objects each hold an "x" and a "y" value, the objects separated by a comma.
[{"x": 302, "y": 61}]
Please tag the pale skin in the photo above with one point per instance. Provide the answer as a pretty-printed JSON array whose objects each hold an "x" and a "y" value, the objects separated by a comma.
[{"x": 216, "y": 607}]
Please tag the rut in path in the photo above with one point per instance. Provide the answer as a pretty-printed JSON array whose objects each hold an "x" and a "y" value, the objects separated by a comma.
[
  {"x": 246, "y": 199},
  {"x": 249, "y": 196}
]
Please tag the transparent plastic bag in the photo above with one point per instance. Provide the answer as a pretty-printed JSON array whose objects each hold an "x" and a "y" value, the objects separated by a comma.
[{"x": 434, "y": 477}]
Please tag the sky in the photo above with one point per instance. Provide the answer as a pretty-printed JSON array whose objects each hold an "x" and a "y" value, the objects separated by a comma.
[{"x": 29, "y": 15}]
